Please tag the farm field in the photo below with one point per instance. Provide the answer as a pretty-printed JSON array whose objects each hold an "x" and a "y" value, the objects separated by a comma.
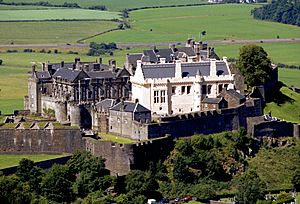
[
  {"x": 56, "y": 14},
  {"x": 8, "y": 160},
  {"x": 117, "y": 5},
  {"x": 286, "y": 53},
  {"x": 10, "y": 7},
  {"x": 227, "y": 21},
  {"x": 51, "y": 32}
]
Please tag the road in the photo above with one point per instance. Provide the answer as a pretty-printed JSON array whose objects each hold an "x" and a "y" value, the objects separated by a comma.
[{"x": 287, "y": 40}]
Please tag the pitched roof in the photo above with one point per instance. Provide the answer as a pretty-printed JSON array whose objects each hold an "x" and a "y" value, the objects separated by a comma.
[
  {"x": 235, "y": 94},
  {"x": 212, "y": 100},
  {"x": 101, "y": 74},
  {"x": 132, "y": 58},
  {"x": 128, "y": 106},
  {"x": 69, "y": 74},
  {"x": 189, "y": 51},
  {"x": 105, "y": 104},
  {"x": 43, "y": 75}
]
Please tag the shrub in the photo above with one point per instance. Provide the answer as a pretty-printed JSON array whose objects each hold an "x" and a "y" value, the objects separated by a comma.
[{"x": 1, "y": 61}]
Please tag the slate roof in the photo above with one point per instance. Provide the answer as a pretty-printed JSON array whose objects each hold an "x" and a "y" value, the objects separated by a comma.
[
  {"x": 159, "y": 71},
  {"x": 67, "y": 74},
  {"x": 235, "y": 94},
  {"x": 189, "y": 51},
  {"x": 132, "y": 58},
  {"x": 101, "y": 74},
  {"x": 212, "y": 100},
  {"x": 128, "y": 106},
  {"x": 43, "y": 75},
  {"x": 105, "y": 104},
  {"x": 188, "y": 69}
]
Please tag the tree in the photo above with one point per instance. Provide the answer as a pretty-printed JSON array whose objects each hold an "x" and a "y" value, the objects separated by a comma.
[
  {"x": 1, "y": 61},
  {"x": 57, "y": 184},
  {"x": 254, "y": 65},
  {"x": 27, "y": 172},
  {"x": 250, "y": 189},
  {"x": 296, "y": 180}
]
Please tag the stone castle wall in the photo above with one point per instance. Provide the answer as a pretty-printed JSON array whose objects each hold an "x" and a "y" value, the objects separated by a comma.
[{"x": 40, "y": 140}]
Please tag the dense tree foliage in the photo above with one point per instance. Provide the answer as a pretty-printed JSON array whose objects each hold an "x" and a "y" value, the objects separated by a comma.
[
  {"x": 101, "y": 49},
  {"x": 250, "y": 189},
  {"x": 254, "y": 65},
  {"x": 296, "y": 180},
  {"x": 1, "y": 61},
  {"x": 282, "y": 11}
]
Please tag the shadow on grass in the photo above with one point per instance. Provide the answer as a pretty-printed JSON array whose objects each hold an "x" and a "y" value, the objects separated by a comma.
[{"x": 276, "y": 96}]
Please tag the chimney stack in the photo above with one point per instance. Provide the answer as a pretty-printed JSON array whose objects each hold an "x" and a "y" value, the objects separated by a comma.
[
  {"x": 178, "y": 72},
  {"x": 62, "y": 64},
  {"x": 100, "y": 60}
]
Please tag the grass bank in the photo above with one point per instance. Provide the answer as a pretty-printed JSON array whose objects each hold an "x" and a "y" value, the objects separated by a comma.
[{"x": 9, "y": 160}]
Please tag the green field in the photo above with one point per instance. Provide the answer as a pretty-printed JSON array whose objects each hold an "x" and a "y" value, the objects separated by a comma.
[
  {"x": 117, "y": 5},
  {"x": 290, "y": 77},
  {"x": 51, "y": 32},
  {"x": 289, "y": 110},
  {"x": 56, "y": 14},
  {"x": 276, "y": 166},
  {"x": 10, "y": 7},
  {"x": 8, "y": 160},
  {"x": 228, "y": 21},
  {"x": 285, "y": 53}
]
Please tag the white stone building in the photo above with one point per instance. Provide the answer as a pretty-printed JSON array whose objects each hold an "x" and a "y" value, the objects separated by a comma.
[{"x": 179, "y": 87}]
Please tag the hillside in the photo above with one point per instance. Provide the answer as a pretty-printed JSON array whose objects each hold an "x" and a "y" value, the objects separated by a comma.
[
  {"x": 277, "y": 165},
  {"x": 286, "y": 105}
]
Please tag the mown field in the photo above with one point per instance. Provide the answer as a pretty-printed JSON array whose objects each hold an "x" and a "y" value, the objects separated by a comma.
[
  {"x": 285, "y": 53},
  {"x": 290, "y": 77},
  {"x": 228, "y": 21},
  {"x": 117, "y": 5},
  {"x": 8, "y": 160},
  {"x": 10, "y": 7},
  {"x": 57, "y": 14},
  {"x": 51, "y": 32}
]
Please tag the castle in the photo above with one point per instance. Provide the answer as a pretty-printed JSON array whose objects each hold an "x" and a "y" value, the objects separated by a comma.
[{"x": 160, "y": 95}]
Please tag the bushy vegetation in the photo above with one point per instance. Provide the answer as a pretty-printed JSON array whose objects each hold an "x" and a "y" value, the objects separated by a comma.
[
  {"x": 101, "y": 49},
  {"x": 282, "y": 11}
]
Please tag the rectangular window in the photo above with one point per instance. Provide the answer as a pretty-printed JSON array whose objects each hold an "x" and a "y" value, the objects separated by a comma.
[
  {"x": 203, "y": 89},
  {"x": 183, "y": 90},
  {"x": 162, "y": 96},
  {"x": 225, "y": 86},
  {"x": 220, "y": 87},
  {"x": 173, "y": 89},
  {"x": 209, "y": 89},
  {"x": 188, "y": 89},
  {"x": 156, "y": 96}
]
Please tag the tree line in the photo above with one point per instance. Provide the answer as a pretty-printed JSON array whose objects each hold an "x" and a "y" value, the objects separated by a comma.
[{"x": 282, "y": 11}]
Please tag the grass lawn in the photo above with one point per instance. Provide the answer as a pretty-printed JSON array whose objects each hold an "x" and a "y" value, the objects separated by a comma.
[
  {"x": 290, "y": 77},
  {"x": 276, "y": 166},
  {"x": 228, "y": 21},
  {"x": 56, "y": 14},
  {"x": 8, "y": 160},
  {"x": 51, "y": 32},
  {"x": 289, "y": 110},
  {"x": 118, "y": 5},
  {"x": 298, "y": 198},
  {"x": 117, "y": 139}
]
